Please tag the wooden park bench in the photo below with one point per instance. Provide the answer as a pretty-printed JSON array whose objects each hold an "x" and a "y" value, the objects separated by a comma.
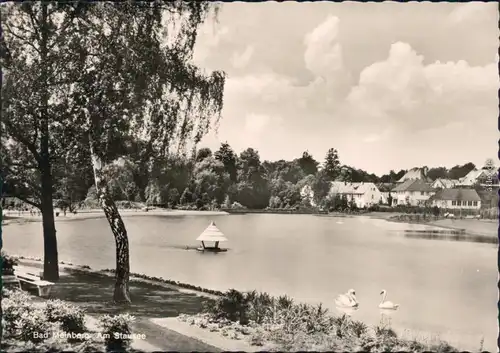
[{"x": 31, "y": 280}]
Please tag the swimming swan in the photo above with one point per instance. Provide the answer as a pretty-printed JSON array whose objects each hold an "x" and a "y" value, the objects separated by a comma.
[
  {"x": 387, "y": 304},
  {"x": 347, "y": 300}
]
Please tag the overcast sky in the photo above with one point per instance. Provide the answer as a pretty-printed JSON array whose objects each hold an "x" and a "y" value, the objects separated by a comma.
[{"x": 389, "y": 85}]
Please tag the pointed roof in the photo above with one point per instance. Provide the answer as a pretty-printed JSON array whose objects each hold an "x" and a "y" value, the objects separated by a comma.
[
  {"x": 457, "y": 195},
  {"x": 385, "y": 187},
  {"x": 445, "y": 183},
  {"x": 415, "y": 173},
  {"x": 212, "y": 233},
  {"x": 473, "y": 176},
  {"x": 413, "y": 185},
  {"x": 341, "y": 187}
]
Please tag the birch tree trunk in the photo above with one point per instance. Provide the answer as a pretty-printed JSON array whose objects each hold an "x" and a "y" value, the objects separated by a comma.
[{"x": 121, "y": 292}]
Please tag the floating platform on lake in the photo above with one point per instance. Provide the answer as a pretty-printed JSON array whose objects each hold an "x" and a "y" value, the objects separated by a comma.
[
  {"x": 211, "y": 234},
  {"x": 210, "y": 249}
]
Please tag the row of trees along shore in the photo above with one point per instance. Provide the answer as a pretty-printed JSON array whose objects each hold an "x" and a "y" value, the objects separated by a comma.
[
  {"x": 90, "y": 116},
  {"x": 206, "y": 179}
]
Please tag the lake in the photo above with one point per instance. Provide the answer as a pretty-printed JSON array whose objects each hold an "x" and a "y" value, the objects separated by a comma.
[{"x": 444, "y": 287}]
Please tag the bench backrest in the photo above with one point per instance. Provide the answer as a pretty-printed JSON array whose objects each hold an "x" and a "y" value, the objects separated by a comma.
[
  {"x": 28, "y": 276},
  {"x": 25, "y": 273}
]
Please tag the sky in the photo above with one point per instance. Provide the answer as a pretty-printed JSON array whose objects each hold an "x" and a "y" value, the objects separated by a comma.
[{"x": 389, "y": 85}]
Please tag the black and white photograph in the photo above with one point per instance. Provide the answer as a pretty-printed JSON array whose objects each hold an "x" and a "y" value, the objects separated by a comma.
[{"x": 202, "y": 176}]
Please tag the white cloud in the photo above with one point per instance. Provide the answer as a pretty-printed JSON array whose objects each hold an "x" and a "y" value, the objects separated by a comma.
[
  {"x": 400, "y": 96},
  {"x": 323, "y": 54},
  {"x": 472, "y": 11},
  {"x": 240, "y": 60},
  {"x": 403, "y": 92}
]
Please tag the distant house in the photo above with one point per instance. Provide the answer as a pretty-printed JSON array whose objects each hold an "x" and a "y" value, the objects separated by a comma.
[
  {"x": 441, "y": 183},
  {"x": 412, "y": 192},
  {"x": 456, "y": 199},
  {"x": 363, "y": 194},
  {"x": 385, "y": 190},
  {"x": 415, "y": 174},
  {"x": 481, "y": 176}
]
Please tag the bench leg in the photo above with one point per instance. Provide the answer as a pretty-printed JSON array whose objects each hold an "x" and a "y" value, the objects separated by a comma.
[{"x": 44, "y": 292}]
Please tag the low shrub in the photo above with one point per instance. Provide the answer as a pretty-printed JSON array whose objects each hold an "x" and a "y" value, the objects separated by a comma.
[
  {"x": 8, "y": 263},
  {"x": 32, "y": 326},
  {"x": 70, "y": 317},
  {"x": 233, "y": 306},
  {"x": 23, "y": 322},
  {"x": 259, "y": 305},
  {"x": 14, "y": 306},
  {"x": 116, "y": 331}
]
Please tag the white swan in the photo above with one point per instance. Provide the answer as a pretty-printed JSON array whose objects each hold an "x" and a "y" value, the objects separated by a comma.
[
  {"x": 387, "y": 304},
  {"x": 347, "y": 300}
]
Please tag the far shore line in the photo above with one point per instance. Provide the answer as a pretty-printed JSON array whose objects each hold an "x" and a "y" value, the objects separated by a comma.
[{"x": 13, "y": 217}]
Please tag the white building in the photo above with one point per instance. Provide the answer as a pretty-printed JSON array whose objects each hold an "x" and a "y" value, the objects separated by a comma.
[
  {"x": 482, "y": 176},
  {"x": 363, "y": 194},
  {"x": 457, "y": 199},
  {"x": 412, "y": 192}
]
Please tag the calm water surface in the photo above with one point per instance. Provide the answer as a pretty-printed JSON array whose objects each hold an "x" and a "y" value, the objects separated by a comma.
[{"x": 448, "y": 288}]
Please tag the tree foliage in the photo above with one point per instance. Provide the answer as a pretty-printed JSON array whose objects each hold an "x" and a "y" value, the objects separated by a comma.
[
  {"x": 94, "y": 80},
  {"x": 332, "y": 164}
]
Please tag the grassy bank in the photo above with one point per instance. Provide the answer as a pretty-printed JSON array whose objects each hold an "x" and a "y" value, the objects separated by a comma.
[{"x": 84, "y": 268}]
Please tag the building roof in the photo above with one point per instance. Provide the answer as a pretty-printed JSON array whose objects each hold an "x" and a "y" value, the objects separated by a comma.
[
  {"x": 385, "y": 187},
  {"x": 413, "y": 185},
  {"x": 212, "y": 233},
  {"x": 415, "y": 173},
  {"x": 446, "y": 183},
  {"x": 473, "y": 176},
  {"x": 457, "y": 195},
  {"x": 341, "y": 187}
]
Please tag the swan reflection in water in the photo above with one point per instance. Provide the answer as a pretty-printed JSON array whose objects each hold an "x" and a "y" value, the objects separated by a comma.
[
  {"x": 387, "y": 309},
  {"x": 347, "y": 311}
]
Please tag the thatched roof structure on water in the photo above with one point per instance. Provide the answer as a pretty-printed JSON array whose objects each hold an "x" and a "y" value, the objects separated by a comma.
[{"x": 212, "y": 233}]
